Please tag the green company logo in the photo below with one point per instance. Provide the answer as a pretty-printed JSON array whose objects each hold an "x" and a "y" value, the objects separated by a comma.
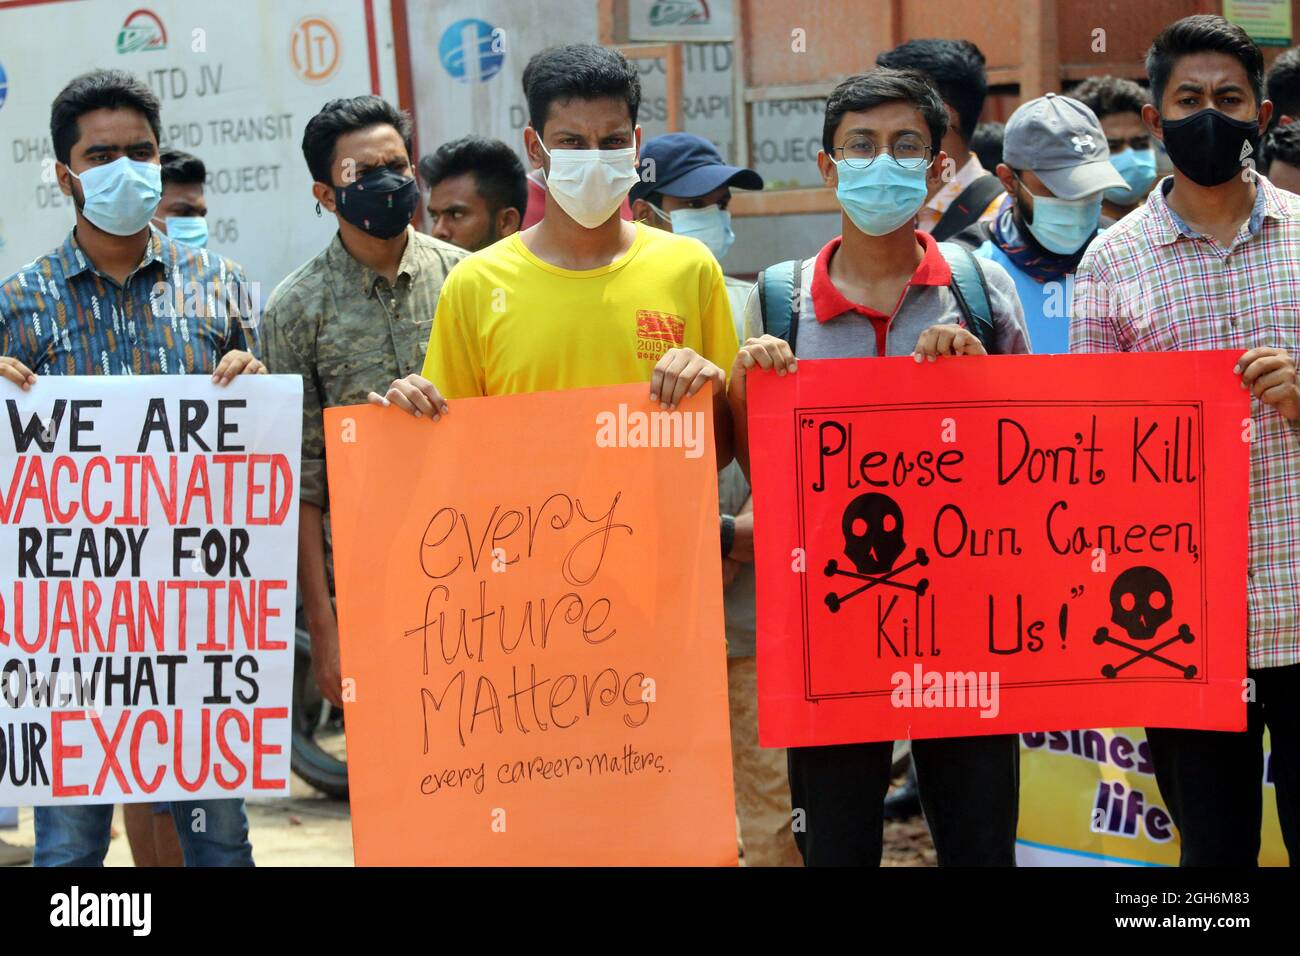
[
  {"x": 142, "y": 31},
  {"x": 669, "y": 13}
]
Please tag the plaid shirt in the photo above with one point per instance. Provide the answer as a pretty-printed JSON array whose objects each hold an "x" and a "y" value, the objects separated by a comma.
[
  {"x": 177, "y": 313},
  {"x": 1153, "y": 284}
]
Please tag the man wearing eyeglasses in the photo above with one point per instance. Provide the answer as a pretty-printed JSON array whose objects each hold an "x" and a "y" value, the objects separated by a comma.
[
  {"x": 884, "y": 288},
  {"x": 1056, "y": 168}
]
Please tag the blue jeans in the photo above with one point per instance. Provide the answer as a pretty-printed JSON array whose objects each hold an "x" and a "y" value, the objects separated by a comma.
[{"x": 78, "y": 835}]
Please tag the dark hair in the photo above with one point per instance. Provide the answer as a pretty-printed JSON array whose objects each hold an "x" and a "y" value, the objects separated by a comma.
[
  {"x": 98, "y": 90},
  {"x": 1203, "y": 33},
  {"x": 867, "y": 90},
  {"x": 1282, "y": 142},
  {"x": 986, "y": 143},
  {"x": 498, "y": 173},
  {"x": 581, "y": 70},
  {"x": 1284, "y": 84},
  {"x": 182, "y": 168},
  {"x": 1107, "y": 95},
  {"x": 338, "y": 117},
  {"x": 955, "y": 67}
]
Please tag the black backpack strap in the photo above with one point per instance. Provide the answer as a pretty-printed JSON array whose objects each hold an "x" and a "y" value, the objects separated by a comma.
[
  {"x": 971, "y": 290},
  {"x": 967, "y": 208}
]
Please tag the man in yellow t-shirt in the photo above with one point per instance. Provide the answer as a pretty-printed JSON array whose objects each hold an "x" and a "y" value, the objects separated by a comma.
[{"x": 583, "y": 298}]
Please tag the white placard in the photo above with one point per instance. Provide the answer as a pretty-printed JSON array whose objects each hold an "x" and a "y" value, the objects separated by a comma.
[
  {"x": 237, "y": 86},
  {"x": 148, "y": 556}
]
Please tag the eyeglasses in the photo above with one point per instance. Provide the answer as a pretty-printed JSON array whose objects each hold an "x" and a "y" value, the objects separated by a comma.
[
  {"x": 1137, "y": 142},
  {"x": 908, "y": 152}
]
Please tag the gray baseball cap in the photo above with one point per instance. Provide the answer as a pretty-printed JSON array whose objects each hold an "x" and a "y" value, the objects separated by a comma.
[{"x": 1061, "y": 140}]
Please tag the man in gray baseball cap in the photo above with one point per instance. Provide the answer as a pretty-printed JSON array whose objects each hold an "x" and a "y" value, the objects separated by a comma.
[
  {"x": 1061, "y": 141},
  {"x": 1055, "y": 167}
]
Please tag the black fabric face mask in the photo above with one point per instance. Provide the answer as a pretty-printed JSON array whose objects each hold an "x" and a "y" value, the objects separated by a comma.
[
  {"x": 1210, "y": 148},
  {"x": 381, "y": 202}
]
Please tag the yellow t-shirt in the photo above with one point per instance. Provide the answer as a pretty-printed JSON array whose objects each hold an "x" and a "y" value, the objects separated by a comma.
[{"x": 509, "y": 323}]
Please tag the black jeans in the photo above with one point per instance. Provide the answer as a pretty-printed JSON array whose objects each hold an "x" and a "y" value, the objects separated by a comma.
[
  {"x": 970, "y": 791},
  {"x": 1211, "y": 780}
]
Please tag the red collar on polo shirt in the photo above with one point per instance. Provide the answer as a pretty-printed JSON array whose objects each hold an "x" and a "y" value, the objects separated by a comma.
[{"x": 828, "y": 301}]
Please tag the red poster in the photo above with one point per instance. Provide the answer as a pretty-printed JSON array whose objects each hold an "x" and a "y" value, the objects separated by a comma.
[{"x": 1000, "y": 544}]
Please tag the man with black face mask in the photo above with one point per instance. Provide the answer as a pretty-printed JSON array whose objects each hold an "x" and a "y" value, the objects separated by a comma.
[
  {"x": 358, "y": 313},
  {"x": 1212, "y": 261}
]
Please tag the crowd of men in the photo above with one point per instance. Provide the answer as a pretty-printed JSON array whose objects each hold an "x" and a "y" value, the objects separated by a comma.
[{"x": 530, "y": 281}]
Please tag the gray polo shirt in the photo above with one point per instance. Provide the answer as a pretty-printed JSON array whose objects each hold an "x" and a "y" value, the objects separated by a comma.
[{"x": 848, "y": 332}]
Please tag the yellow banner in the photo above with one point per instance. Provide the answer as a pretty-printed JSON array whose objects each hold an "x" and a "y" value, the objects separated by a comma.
[{"x": 1089, "y": 798}]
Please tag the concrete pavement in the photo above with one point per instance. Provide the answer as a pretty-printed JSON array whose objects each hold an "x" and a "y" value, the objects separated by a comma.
[{"x": 305, "y": 829}]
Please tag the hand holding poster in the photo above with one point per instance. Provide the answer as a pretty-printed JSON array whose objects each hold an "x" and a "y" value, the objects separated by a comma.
[
  {"x": 530, "y": 614},
  {"x": 148, "y": 543},
  {"x": 1053, "y": 541}
]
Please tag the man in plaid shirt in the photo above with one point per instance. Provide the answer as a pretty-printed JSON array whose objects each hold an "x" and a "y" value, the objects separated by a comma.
[{"x": 1212, "y": 261}]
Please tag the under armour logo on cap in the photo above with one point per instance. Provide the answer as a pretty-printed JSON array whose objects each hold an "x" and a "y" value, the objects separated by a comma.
[{"x": 1082, "y": 142}]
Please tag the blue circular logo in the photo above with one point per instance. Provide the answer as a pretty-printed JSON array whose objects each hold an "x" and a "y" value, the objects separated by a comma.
[
  {"x": 4, "y": 85},
  {"x": 472, "y": 50}
]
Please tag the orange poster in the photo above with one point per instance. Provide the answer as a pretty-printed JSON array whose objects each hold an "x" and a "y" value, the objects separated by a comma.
[{"x": 529, "y": 599}]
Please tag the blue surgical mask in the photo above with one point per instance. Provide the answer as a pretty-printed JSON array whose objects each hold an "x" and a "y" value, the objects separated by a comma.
[
  {"x": 120, "y": 197},
  {"x": 881, "y": 197},
  {"x": 188, "y": 230},
  {"x": 710, "y": 224},
  {"x": 1138, "y": 167},
  {"x": 1062, "y": 226}
]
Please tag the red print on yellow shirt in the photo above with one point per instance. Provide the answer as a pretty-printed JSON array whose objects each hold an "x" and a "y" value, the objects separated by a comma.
[{"x": 657, "y": 332}]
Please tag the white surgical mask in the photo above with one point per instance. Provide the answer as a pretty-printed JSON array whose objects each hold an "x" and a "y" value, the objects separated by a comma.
[
  {"x": 881, "y": 197},
  {"x": 590, "y": 184},
  {"x": 711, "y": 225},
  {"x": 120, "y": 197},
  {"x": 187, "y": 230},
  {"x": 1063, "y": 226}
]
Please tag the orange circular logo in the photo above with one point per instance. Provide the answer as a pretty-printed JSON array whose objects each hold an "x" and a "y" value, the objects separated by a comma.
[{"x": 314, "y": 49}]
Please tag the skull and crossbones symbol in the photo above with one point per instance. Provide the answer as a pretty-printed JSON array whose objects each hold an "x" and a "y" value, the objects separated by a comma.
[
  {"x": 1141, "y": 600},
  {"x": 873, "y": 541}
]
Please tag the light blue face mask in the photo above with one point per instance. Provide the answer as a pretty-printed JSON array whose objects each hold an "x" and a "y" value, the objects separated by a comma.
[
  {"x": 710, "y": 224},
  {"x": 121, "y": 197},
  {"x": 881, "y": 197},
  {"x": 1062, "y": 226},
  {"x": 1138, "y": 167},
  {"x": 188, "y": 230}
]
